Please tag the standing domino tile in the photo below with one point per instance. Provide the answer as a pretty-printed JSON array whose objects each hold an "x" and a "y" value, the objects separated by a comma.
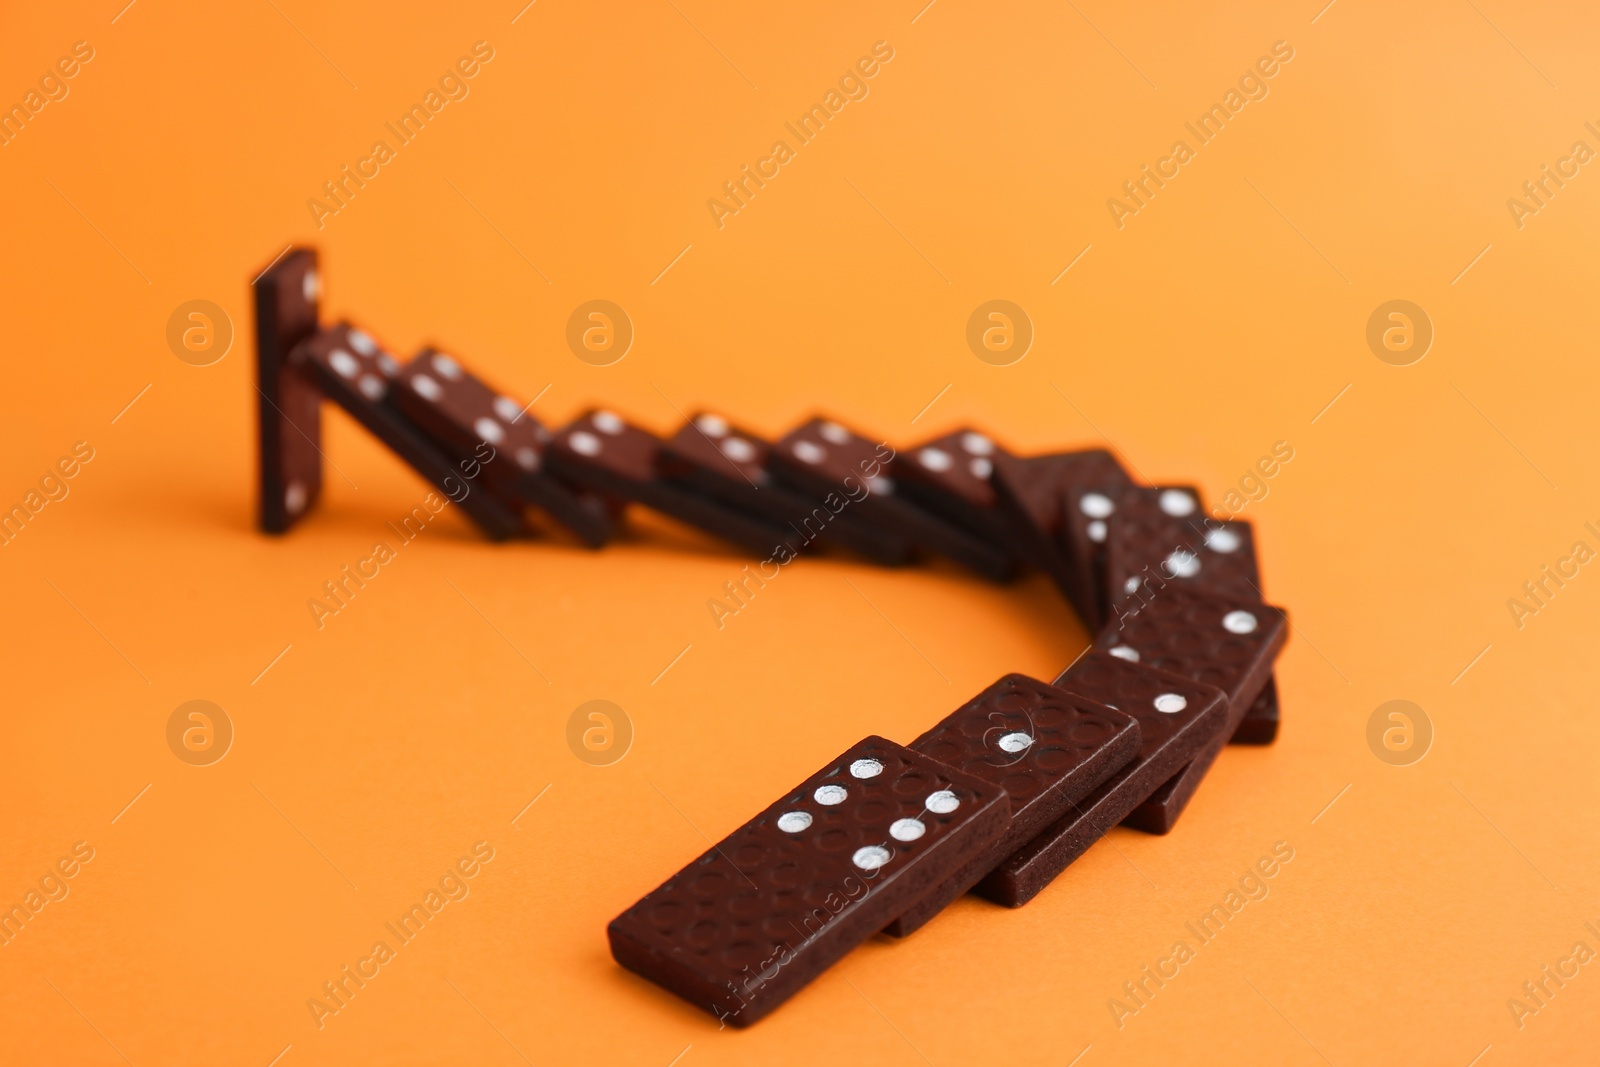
[
  {"x": 355, "y": 373},
  {"x": 1222, "y": 641},
  {"x": 458, "y": 409},
  {"x": 712, "y": 456},
  {"x": 1046, "y": 747},
  {"x": 822, "y": 457},
  {"x": 1055, "y": 502},
  {"x": 767, "y": 909},
  {"x": 1177, "y": 718},
  {"x": 603, "y": 452},
  {"x": 288, "y": 295}
]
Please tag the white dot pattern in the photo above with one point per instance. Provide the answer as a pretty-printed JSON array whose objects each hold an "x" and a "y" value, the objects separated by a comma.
[
  {"x": 361, "y": 342},
  {"x": 426, "y": 387},
  {"x": 712, "y": 425},
  {"x": 371, "y": 386},
  {"x": 584, "y": 443},
  {"x": 310, "y": 286},
  {"x": 977, "y": 444},
  {"x": 1183, "y": 564},
  {"x": 1096, "y": 505},
  {"x": 527, "y": 458},
  {"x": 447, "y": 368},
  {"x": 829, "y": 795},
  {"x": 1170, "y": 703},
  {"x": 739, "y": 450},
  {"x": 507, "y": 408},
  {"x": 294, "y": 498},
  {"x": 809, "y": 451},
  {"x": 943, "y": 802},
  {"x": 866, "y": 768},
  {"x": 870, "y": 857},
  {"x": 1177, "y": 502},
  {"x": 792, "y": 822},
  {"x": 1097, "y": 531},
  {"x": 907, "y": 829},
  {"x": 1239, "y": 622},
  {"x": 1014, "y": 742},
  {"x": 935, "y": 459},
  {"x": 1124, "y": 652},
  {"x": 981, "y": 468},
  {"x": 1223, "y": 539},
  {"x": 488, "y": 430},
  {"x": 344, "y": 364},
  {"x": 832, "y": 431},
  {"x": 608, "y": 422}
]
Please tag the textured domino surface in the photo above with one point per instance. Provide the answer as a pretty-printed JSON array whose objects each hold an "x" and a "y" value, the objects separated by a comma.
[
  {"x": 750, "y": 922},
  {"x": 822, "y": 456},
  {"x": 1045, "y": 746},
  {"x": 957, "y": 465},
  {"x": 460, "y": 410},
  {"x": 711, "y": 450},
  {"x": 1045, "y": 497},
  {"x": 1260, "y": 723},
  {"x": 712, "y": 456},
  {"x": 1148, "y": 546},
  {"x": 1158, "y": 535},
  {"x": 356, "y": 373},
  {"x": 1137, "y": 524},
  {"x": 1226, "y": 642},
  {"x": 603, "y": 452},
  {"x": 288, "y": 406},
  {"x": 1223, "y": 641},
  {"x": 949, "y": 475},
  {"x": 1177, "y": 718}
]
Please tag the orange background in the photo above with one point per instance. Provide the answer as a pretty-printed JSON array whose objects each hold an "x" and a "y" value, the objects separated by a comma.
[{"x": 1221, "y": 319}]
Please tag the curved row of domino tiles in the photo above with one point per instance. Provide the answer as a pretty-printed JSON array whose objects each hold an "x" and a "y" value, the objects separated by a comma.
[{"x": 997, "y": 798}]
